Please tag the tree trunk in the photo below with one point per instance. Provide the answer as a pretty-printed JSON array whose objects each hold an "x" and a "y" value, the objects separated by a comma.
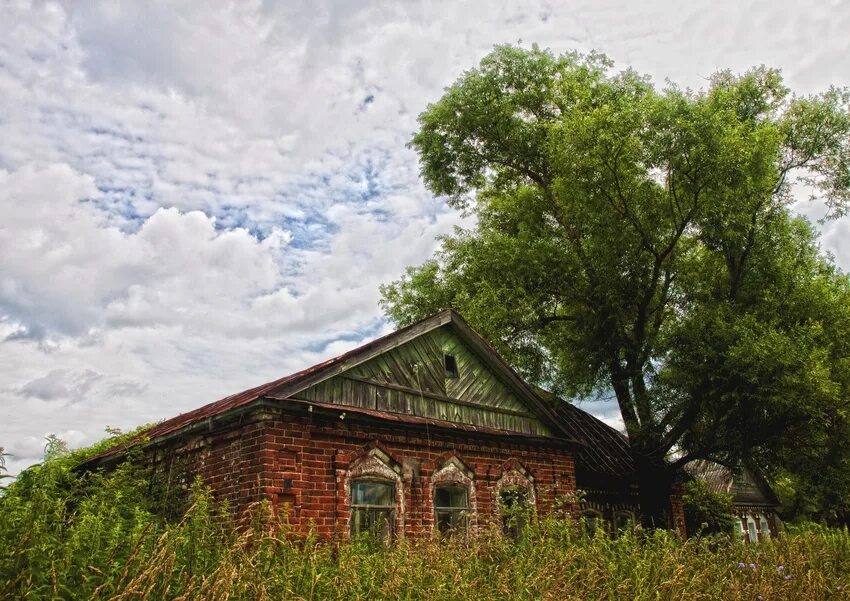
[{"x": 655, "y": 487}]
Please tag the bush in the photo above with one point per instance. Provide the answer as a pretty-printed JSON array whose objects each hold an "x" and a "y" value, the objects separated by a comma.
[{"x": 707, "y": 512}]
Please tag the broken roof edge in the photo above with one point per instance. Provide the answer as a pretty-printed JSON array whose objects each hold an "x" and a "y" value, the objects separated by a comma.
[
  {"x": 606, "y": 450},
  {"x": 295, "y": 382}
]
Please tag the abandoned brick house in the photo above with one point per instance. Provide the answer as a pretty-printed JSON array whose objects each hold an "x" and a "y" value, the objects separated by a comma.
[
  {"x": 425, "y": 429},
  {"x": 753, "y": 500}
]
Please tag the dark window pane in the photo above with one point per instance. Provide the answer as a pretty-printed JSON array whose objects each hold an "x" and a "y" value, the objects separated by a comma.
[
  {"x": 450, "y": 363},
  {"x": 377, "y": 522},
  {"x": 451, "y": 496},
  {"x": 622, "y": 519},
  {"x": 594, "y": 520},
  {"x": 370, "y": 492},
  {"x": 452, "y": 520}
]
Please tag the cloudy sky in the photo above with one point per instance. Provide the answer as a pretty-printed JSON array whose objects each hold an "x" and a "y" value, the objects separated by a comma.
[{"x": 199, "y": 197}]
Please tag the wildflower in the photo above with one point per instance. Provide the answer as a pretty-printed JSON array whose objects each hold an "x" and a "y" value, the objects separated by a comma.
[
  {"x": 759, "y": 598},
  {"x": 780, "y": 568},
  {"x": 752, "y": 566},
  {"x": 741, "y": 565},
  {"x": 788, "y": 577},
  {"x": 838, "y": 588}
]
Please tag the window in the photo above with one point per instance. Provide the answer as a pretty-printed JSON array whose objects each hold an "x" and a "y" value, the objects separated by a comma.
[
  {"x": 751, "y": 529},
  {"x": 622, "y": 520},
  {"x": 372, "y": 508},
  {"x": 516, "y": 510},
  {"x": 450, "y": 365},
  {"x": 765, "y": 528},
  {"x": 592, "y": 520},
  {"x": 451, "y": 506}
]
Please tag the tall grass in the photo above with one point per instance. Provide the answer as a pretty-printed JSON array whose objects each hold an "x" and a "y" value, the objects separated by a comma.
[{"x": 63, "y": 537}]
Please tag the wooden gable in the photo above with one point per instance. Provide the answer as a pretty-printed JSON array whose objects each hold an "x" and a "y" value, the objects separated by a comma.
[
  {"x": 749, "y": 489},
  {"x": 412, "y": 378}
]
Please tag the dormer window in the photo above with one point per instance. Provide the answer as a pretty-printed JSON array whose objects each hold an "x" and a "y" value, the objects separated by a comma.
[{"x": 450, "y": 365}]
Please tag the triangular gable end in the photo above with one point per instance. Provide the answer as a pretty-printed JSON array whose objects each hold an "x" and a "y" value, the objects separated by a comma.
[
  {"x": 411, "y": 374},
  {"x": 749, "y": 487}
]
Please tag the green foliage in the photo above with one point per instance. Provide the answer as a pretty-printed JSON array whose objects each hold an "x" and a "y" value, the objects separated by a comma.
[
  {"x": 3, "y": 470},
  {"x": 109, "y": 546},
  {"x": 641, "y": 241},
  {"x": 516, "y": 510},
  {"x": 707, "y": 512}
]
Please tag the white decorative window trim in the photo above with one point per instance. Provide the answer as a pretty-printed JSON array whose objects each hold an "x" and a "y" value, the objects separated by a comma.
[
  {"x": 380, "y": 466},
  {"x": 455, "y": 472},
  {"x": 516, "y": 477}
]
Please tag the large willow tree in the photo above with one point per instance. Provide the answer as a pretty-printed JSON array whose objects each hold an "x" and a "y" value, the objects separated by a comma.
[{"x": 639, "y": 242}]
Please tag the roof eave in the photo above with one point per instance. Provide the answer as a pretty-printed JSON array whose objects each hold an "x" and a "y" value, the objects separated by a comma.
[{"x": 116, "y": 455}]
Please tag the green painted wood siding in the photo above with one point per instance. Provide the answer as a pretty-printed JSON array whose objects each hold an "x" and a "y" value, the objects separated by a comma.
[{"x": 411, "y": 379}]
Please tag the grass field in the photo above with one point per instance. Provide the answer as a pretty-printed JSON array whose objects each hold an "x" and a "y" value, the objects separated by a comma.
[
  {"x": 102, "y": 537},
  {"x": 203, "y": 557}
]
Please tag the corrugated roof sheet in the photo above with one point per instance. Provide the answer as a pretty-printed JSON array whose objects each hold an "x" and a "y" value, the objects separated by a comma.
[{"x": 605, "y": 450}]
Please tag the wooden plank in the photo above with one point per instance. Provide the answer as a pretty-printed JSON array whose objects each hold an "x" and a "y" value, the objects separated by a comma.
[
  {"x": 414, "y": 392},
  {"x": 388, "y": 382},
  {"x": 422, "y": 327}
]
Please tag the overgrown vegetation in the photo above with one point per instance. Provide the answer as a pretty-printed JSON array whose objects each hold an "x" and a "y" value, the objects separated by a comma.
[
  {"x": 707, "y": 512},
  {"x": 101, "y": 536}
]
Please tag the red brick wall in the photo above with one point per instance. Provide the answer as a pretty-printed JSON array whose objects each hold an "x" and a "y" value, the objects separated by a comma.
[
  {"x": 303, "y": 462},
  {"x": 229, "y": 459},
  {"x": 677, "y": 511}
]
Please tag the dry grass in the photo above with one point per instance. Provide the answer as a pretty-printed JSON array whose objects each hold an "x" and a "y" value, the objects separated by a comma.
[{"x": 60, "y": 539}]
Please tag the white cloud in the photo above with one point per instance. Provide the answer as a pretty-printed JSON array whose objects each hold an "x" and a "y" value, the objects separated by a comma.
[
  {"x": 198, "y": 196},
  {"x": 61, "y": 385}
]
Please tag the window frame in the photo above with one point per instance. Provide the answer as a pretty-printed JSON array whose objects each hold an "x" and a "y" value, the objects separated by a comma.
[
  {"x": 592, "y": 520},
  {"x": 459, "y": 514},
  {"x": 764, "y": 527},
  {"x": 515, "y": 525},
  {"x": 372, "y": 510},
  {"x": 622, "y": 519},
  {"x": 752, "y": 530}
]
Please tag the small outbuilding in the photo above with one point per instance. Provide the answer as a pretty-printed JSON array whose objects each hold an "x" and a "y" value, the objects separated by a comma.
[{"x": 753, "y": 500}]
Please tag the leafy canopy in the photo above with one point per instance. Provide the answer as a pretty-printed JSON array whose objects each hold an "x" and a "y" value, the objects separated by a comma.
[{"x": 640, "y": 242}]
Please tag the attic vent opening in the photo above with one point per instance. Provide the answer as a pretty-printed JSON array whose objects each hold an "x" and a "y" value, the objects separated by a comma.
[{"x": 450, "y": 365}]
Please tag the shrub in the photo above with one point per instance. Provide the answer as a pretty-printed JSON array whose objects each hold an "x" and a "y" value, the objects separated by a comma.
[{"x": 707, "y": 512}]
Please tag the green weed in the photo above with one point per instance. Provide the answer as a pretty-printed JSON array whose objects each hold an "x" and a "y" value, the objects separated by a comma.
[{"x": 101, "y": 536}]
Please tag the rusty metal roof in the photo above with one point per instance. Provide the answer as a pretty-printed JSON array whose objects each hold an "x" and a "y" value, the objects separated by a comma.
[{"x": 245, "y": 397}]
